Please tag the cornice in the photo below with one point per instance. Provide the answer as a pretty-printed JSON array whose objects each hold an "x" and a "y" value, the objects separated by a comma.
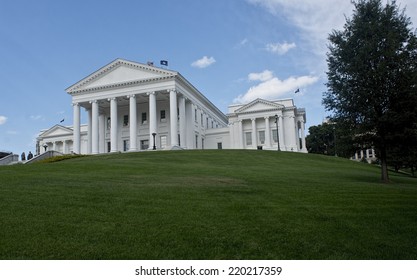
[
  {"x": 55, "y": 127},
  {"x": 114, "y": 65},
  {"x": 259, "y": 111},
  {"x": 257, "y": 101},
  {"x": 121, "y": 85}
]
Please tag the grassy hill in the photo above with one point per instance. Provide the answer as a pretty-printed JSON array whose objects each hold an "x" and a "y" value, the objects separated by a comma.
[{"x": 206, "y": 205}]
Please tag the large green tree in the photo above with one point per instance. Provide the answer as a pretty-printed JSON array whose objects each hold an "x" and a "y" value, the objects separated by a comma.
[
  {"x": 330, "y": 139},
  {"x": 371, "y": 74}
]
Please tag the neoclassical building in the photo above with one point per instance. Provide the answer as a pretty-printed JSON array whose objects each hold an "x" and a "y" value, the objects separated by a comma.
[
  {"x": 132, "y": 106},
  {"x": 268, "y": 124}
]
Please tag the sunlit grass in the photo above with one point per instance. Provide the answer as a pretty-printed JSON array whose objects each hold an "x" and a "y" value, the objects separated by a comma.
[{"x": 206, "y": 205}]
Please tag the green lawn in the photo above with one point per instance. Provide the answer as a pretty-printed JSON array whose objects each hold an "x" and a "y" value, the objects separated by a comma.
[{"x": 206, "y": 205}]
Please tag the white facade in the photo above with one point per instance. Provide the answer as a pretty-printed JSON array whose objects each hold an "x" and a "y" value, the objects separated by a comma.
[
  {"x": 255, "y": 125},
  {"x": 130, "y": 105}
]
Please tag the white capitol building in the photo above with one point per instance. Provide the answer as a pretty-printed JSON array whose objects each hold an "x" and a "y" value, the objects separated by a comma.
[{"x": 132, "y": 107}]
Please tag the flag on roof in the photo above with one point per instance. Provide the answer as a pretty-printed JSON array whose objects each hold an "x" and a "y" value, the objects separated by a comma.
[{"x": 164, "y": 62}]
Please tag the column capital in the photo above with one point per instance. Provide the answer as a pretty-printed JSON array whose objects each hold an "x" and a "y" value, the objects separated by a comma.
[
  {"x": 75, "y": 104},
  {"x": 253, "y": 119},
  {"x": 172, "y": 90},
  {"x": 150, "y": 93},
  {"x": 131, "y": 96},
  {"x": 112, "y": 98},
  {"x": 93, "y": 101},
  {"x": 266, "y": 118}
]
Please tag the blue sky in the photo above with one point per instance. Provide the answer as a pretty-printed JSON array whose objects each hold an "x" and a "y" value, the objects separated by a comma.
[{"x": 231, "y": 50}]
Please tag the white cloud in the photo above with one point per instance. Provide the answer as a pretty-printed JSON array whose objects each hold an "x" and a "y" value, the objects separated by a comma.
[
  {"x": 203, "y": 62},
  {"x": 35, "y": 118},
  {"x": 280, "y": 48},
  {"x": 316, "y": 19},
  {"x": 263, "y": 76},
  {"x": 3, "y": 120},
  {"x": 271, "y": 87},
  {"x": 11, "y": 132}
]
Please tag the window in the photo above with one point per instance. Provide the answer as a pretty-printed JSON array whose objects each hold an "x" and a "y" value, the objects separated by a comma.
[
  {"x": 108, "y": 123},
  {"x": 108, "y": 147},
  {"x": 248, "y": 136},
  {"x": 274, "y": 135},
  {"x": 207, "y": 123},
  {"x": 144, "y": 144},
  {"x": 195, "y": 115},
  {"x": 219, "y": 145},
  {"x": 202, "y": 143},
  {"x": 212, "y": 124},
  {"x": 201, "y": 118},
  {"x": 125, "y": 120},
  {"x": 196, "y": 141},
  {"x": 144, "y": 118},
  {"x": 125, "y": 145},
  {"x": 163, "y": 141},
  {"x": 262, "y": 137},
  {"x": 163, "y": 116}
]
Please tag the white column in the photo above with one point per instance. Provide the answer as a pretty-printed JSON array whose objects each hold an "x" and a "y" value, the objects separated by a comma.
[
  {"x": 303, "y": 137},
  {"x": 152, "y": 118},
  {"x": 101, "y": 133},
  {"x": 267, "y": 133},
  {"x": 113, "y": 124},
  {"x": 94, "y": 127},
  {"x": 64, "y": 147},
  {"x": 132, "y": 123},
  {"x": 280, "y": 133},
  {"x": 89, "y": 130},
  {"x": 54, "y": 146},
  {"x": 240, "y": 143},
  {"x": 173, "y": 117},
  {"x": 189, "y": 122},
  {"x": 297, "y": 134},
  {"x": 76, "y": 127},
  {"x": 183, "y": 130},
  {"x": 254, "y": 142}
]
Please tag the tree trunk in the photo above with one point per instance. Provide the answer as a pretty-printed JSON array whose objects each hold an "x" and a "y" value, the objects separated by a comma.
[{"x": 384, "y": 167}]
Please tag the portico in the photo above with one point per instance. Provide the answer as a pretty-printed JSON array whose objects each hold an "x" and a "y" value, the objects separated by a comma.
[
  {"x": 138, "y": 100},
  {"x": 254, "y": 125}
]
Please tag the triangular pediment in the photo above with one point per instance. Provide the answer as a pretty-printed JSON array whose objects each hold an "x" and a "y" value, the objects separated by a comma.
[
  {"x": 120, "y": 72},
  {"x": 56, "y": 130},
  {"x": 259, "y": 105}
]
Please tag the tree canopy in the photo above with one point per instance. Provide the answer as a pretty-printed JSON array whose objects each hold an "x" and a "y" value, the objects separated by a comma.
[{"x": 372, "y": 76}]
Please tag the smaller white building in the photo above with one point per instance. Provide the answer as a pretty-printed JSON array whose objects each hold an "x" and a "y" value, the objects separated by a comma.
[{"x": 262, "y": 124}]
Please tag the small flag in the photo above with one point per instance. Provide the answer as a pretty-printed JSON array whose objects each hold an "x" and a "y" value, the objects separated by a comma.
[
  {"x": 62, "y": 120},
  {"x": 297, "y": 91},
  {"x": 164, "y": 62}
]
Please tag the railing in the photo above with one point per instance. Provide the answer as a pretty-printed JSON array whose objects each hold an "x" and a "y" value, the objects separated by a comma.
[
  {"x": 9, "y": 159},
  {"x": 45, "y": 155}
]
